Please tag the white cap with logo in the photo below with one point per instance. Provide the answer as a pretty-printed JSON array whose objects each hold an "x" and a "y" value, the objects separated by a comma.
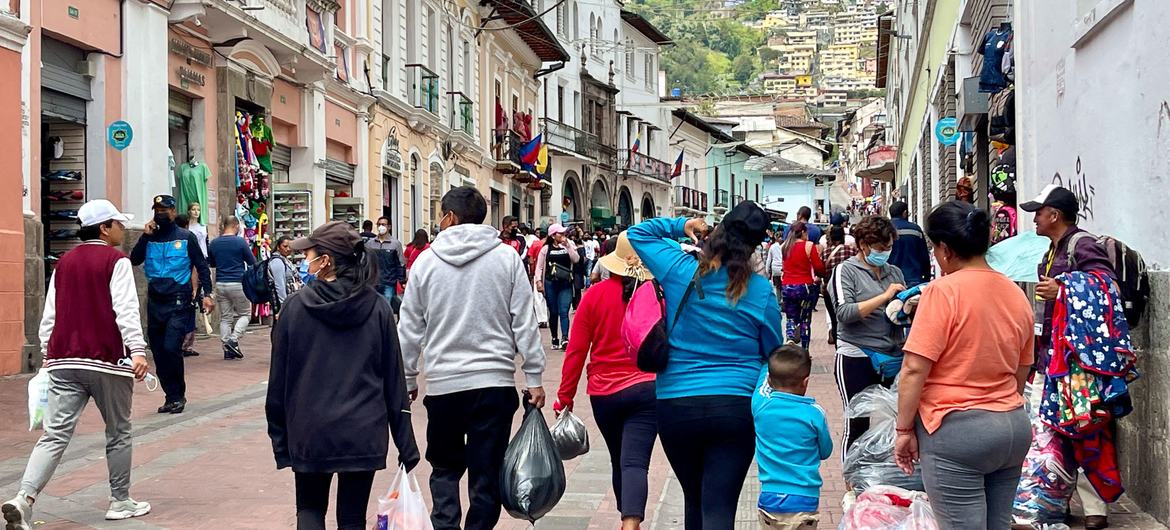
[{"x": 99, "y": 211}]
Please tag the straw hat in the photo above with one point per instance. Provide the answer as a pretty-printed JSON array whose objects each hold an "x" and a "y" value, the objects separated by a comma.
[{"x": 623, "y": 261}]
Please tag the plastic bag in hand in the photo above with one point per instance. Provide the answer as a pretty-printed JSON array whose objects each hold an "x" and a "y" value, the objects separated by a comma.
[
  {"x": 533, "y": 477},
  {"x": 570, "y": 436},
  {"x": 869, "y": 461},
  {"x": 403, "y": 508},
  {"x": 1045, "y": 483},
  {"x": 38, "y": 399}
]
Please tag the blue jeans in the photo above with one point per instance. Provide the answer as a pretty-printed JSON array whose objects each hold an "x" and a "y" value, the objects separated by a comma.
[
  {"x": 390, "y": 293},
  {"x": 559, "y": 296}
]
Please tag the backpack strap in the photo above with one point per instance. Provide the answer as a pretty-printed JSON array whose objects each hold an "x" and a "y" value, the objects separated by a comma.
[
  {"x": 1072, "y": 247},
  {"x": 682, "y": 303}
]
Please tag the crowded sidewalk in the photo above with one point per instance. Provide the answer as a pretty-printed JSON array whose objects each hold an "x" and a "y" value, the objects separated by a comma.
[{"x": 212, "y": 467}]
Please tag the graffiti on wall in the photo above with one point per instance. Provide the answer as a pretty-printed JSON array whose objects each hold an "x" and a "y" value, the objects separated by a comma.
[{"x": 1081, "y": 187}]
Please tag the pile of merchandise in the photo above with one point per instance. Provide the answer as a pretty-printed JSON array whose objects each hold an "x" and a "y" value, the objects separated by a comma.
[{"x": 889, "y": 508}]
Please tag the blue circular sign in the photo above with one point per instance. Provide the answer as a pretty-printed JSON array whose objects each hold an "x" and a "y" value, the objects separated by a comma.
[
  {"x": 947, "y": 131},
  {"x": 119, "y": 134}
]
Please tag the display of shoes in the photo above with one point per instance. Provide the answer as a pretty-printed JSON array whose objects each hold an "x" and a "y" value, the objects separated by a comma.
[
  {"x": 66, "y": 195},
  {"x": 63, "y": 215},
  {"x": 63, "y": 176},
  {"x": 62, "y": 234}
]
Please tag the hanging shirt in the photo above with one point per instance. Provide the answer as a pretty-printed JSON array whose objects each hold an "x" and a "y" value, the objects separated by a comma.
[
  {"x": 995, "y": 44},
  {"x": 193, "y": 184}
]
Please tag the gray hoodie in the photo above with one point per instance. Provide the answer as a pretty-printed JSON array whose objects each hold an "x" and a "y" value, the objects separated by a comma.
[
  {"x": 853, "y": 283},
  {"x": 467, "y": 312}
]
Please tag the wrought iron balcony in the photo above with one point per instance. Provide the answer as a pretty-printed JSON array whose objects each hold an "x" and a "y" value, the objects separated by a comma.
[
  {"x": 570, "y": 139},
  {"x": 424, "y": 88},
  {"x": 690, "y": 199},
  {"x": 638, "y": 164},
  {"x": 462, "y": 114}
]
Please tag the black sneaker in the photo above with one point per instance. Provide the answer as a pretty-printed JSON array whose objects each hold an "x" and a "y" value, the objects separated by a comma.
[
  {"x": 231, "y": 350},
  {"x": 173, "y": 407},
  {"x": 190, "y": 353}
]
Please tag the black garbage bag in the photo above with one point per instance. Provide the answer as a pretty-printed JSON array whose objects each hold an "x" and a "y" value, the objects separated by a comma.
[
  {"x": 570, "y": 436},
  {"x": 532, "y": 480}
]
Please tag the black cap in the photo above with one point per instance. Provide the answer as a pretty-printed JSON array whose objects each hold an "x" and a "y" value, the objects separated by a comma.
[
  {"x": 838, "y": 219},
  {"x": 337, "y": 237},
  {"x": 164, "y": 201},
  {"x": 1054, "y": 196},
  {"x": 748, "y": 222}
]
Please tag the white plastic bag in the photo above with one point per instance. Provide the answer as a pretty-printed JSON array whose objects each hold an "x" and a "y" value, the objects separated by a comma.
[
  {"x": 570, "y": 436},
  {"x": 889, "y": 508},
  {"x": 38, "y": 400},
  {"x": 403, "y": 508}
]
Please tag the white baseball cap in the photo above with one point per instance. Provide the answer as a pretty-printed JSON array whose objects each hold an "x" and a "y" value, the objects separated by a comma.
[{"x": 99, "y": 211}]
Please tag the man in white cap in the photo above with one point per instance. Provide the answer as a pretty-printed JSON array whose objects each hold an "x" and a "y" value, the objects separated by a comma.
[{"x": 92, "y": 342}]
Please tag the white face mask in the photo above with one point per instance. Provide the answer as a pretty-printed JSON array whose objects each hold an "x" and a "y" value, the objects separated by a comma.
[{"x": 382, "y": 230}]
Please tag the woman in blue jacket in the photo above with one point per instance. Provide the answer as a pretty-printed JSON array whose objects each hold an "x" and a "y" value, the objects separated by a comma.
[{"x": 718, "y": 345}]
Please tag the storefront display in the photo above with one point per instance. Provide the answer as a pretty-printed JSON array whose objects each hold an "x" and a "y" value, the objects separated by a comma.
[
  {"x": 62, "y": 187},
  {"x": 290, "y": 211}
]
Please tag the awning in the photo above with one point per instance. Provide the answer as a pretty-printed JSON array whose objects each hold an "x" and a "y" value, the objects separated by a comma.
[{"x": 882, "y": 173}]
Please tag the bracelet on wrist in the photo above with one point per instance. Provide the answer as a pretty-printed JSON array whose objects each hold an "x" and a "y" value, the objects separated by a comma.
[{"x": 904, "y": 431}]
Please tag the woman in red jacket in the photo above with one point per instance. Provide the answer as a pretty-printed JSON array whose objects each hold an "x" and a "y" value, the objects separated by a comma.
[
  {"x": 799, "y": 290},
  {"x": 622, "y": 396}
]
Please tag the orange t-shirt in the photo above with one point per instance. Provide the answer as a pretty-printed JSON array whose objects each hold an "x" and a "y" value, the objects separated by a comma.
[{"x": 976, "y": 325}]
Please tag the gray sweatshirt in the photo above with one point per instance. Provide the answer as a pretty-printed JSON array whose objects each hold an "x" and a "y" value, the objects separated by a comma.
[
  {"x": 853, "y": 283},
  {"x": 467, "y": 312}
]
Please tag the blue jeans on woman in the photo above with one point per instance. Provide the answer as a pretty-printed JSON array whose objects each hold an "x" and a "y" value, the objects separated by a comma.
[{"x": 559, "y": 296}]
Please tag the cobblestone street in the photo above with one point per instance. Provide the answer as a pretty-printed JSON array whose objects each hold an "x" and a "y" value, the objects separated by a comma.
[{"x": 211, "y": 467}]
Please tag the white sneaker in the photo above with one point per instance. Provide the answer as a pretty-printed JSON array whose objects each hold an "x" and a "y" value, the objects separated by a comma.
[
  {"x": 17, "y": 513},
  {"x": 127, "y": 509}
]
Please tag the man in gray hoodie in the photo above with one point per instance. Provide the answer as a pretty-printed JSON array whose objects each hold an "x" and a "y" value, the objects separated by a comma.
[{"x": 470, "y": 304}]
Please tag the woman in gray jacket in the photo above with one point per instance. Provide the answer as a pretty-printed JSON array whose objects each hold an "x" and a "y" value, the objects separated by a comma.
[{"x": 861, "y": 288}]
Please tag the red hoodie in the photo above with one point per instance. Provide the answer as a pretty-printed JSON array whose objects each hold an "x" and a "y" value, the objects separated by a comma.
[{"x": 596, "y": 334}]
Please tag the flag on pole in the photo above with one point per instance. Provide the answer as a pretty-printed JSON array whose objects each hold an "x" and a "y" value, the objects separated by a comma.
[
  {"x": 678, "y": 165},
  {"x": 637, "y": 142},
  {"x": 530, "y": 152}
]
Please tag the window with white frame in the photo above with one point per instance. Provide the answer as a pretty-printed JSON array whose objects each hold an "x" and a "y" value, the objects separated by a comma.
[
  {"x": 561, "y": 19},
  {"x": 629, "y": 58}
]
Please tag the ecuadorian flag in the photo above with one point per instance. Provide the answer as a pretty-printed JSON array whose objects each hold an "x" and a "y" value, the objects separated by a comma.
[
  {"x": 678, "y": 166},
  {"x": 530, "y": 153}
]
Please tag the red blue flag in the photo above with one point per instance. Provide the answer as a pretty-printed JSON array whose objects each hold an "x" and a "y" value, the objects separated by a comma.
[
  {"x": 530, "y": 153},
  {"x": 678, "y": 166}
]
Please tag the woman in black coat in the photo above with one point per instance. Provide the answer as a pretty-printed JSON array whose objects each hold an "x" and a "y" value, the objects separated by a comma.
[{"x": 336, "y": 390}]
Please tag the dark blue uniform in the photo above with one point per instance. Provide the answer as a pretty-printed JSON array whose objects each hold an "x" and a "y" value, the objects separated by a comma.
[{"x": 168, "y": 256}]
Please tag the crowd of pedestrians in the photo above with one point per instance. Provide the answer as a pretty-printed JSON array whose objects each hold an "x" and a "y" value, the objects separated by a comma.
[{"x": 368, "y": 314}]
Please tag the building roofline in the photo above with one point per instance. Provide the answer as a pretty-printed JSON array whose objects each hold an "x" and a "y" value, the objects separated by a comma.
[{"x": 646, "y": 28}]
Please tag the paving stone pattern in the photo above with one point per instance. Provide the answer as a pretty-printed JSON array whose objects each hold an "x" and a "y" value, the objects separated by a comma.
[{"x": 212, "y": 468}]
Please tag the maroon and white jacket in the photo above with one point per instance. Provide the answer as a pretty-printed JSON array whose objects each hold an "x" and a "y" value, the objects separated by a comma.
[{"x": 91, "y": 319}]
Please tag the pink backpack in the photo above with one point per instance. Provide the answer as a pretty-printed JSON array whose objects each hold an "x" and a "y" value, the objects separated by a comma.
[{"x": 644, "y": 330}]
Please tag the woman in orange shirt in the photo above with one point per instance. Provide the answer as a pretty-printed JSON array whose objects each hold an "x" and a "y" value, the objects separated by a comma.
[
  {"x": 960, "y": 408},
  {"x": 799, "y": 288}
]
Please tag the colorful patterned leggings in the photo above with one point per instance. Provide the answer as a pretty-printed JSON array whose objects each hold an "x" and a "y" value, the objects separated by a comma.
[{"x": 797, "y": 304}]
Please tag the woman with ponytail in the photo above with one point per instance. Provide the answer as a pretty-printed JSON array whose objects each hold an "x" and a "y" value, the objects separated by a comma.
[
  {"x": 960, "y": 409},
  {"x": 337, "y": 333},
  {"x": 722, "y": 321},
  {"x": 802, "y": 265}
]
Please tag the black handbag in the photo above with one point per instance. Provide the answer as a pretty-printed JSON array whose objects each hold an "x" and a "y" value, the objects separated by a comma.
[{"x": 559, "y": 273}]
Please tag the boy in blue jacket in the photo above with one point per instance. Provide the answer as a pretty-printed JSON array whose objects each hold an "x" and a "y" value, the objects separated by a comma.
[{"x": 792, "y": 438}]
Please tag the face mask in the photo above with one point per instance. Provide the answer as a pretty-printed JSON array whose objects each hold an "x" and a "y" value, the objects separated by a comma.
[
  {"x": 382, "y": 229},
  {"x": 306, "y": 276},
  {"x": 877, "y": 259},
  {"x": 162, "y": 219}
]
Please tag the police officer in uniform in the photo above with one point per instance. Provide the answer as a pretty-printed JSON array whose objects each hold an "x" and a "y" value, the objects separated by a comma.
[{"x": 168, "y": 254}]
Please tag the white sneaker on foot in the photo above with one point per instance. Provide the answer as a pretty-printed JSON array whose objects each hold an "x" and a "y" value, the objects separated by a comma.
[
  {"x": 127, "y": 509},
  {"x": 17, "y": 513}
]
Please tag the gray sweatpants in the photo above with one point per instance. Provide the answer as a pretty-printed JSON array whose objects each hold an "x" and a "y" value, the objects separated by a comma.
[
  {"x": 69, "y": 392},
  {"x": 235, "y": 311},
  {"x": 971, "y": 466}
]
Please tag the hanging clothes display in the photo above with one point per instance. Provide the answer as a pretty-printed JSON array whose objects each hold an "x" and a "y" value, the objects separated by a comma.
[
  {"x": 193, "y": 177},
  {"x": 254, "y": 144},
  {"x": 995, "y": 44}
]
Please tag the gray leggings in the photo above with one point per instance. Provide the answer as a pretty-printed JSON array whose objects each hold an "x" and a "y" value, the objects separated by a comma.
[{"x": 971, "y": 467}]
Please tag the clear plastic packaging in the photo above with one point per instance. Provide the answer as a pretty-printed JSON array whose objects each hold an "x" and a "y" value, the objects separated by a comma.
[{"x": 869, "y": 462}]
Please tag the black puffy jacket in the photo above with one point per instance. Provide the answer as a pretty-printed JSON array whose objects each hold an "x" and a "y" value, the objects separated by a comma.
[{"x": 336, "y": 390}]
